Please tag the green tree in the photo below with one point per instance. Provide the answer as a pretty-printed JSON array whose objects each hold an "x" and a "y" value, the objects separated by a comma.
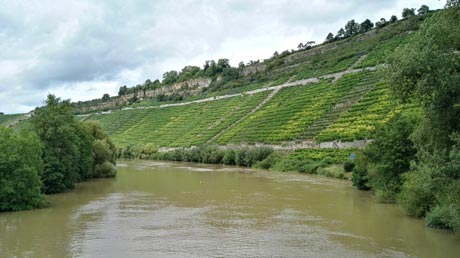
[
  {"x": 20, "y": 169},
  {"x": 123, "y": 90},
  {"x": 366, "y": 26},
  {"x": 382, "y": 23},
  {"x": 452, "y": 3},
  {"x": 56, "y": 127},
  {"x": 424, "y": 9},
  {"x": 393, "y": 18},
  {"x": 170, "y": 77},
  {"x": 105, "y": 97},
  {"x": 104, "y": 152},
  {"x": 427, "y": 70},
  {"x": 390, "y": 155},
  {"x": 351, "y": 28},
  {"x": 329, "y": 37},
  {"x": 340, "y": 34},
  {"x": 408, "y": 12}
]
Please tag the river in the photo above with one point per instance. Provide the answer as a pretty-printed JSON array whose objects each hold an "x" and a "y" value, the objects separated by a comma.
[{"x": 155, "y": 209}]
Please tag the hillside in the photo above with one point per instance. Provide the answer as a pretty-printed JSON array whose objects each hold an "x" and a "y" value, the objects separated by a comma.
[{"x": 331, "y": 92}]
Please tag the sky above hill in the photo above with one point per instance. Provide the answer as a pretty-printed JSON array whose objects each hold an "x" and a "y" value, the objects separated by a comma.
[{"x": 81, "y": 49}]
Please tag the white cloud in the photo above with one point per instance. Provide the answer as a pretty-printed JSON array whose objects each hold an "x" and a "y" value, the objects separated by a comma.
[{"x": 81, "y": 49}]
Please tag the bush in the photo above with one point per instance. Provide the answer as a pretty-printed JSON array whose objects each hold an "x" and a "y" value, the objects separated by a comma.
[
  {"x": 229, "y": 157},
  {"x": 270, "y": 161},
  {"x": 211, "y": 155},
  {"x": 348, "y": 166},
  {"x": 105, "y": 169},
  {"x": 332, "y": 171},
  {"x": 439, "y": 217},
  {"x": 360, "y": 177},
  {"x": 417, "y": 195}
]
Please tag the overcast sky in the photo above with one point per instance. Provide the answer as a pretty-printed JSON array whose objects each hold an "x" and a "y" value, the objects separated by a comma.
[{"x": 82, "y": 49}]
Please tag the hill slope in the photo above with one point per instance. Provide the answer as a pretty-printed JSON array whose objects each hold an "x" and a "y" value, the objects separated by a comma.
[
  {"x": 332, "y": 92},
  {"x": 329, "y": 93}
]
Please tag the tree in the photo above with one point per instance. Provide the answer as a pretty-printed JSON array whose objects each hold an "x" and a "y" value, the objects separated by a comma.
[
  {"x": 241, "y": 64},
  {"x": 20, "y": 169},
  {"x": 452, "y": 3},
  {"x": 222, "y": 64},
  {"x": 105, "y": 97},
  {"x": 123, "y": 90},
  {"x": 366, "y": 26},
  {"x": 382, "y": 23},
  {"x": 300, "y": 46},
  {"x": 104, "y": 151},
  {"x": 390, "y": 155},
  {"x": 57, "y": 129},
  {"x": 408, "y": 12},
  {"x": 427, "y": 70},
  {"x": 351, "y": 28},
  {"x": 329, "y": 37},
  {"x": 340, "y": 34},
  {"x": 170, "y": 77},
  {"x": 309, "y": 44},
  {"x": 393, "y": 18},
  {"x": 423, "y": 10}
]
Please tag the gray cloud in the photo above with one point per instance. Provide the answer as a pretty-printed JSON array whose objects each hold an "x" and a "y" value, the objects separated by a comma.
[{"x": 82, "y": 49}]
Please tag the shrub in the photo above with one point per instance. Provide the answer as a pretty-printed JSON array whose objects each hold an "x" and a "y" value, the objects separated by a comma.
[
  {"x": 417, "y": 195},
  {"x": 348, "y": 166},
  {"x": 270, "y": 160},
  {"x": 229, "y": 157},
  {"x": 105, "y": 169},
  {"x": 360, "y": 177}
]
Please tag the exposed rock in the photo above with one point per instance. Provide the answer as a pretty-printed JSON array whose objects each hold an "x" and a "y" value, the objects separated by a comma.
[{"x": 252, "y": 69}]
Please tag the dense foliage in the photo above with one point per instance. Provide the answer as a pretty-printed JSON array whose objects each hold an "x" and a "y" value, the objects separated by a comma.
[
  {"x": 20, "y": 169},
  {"x": 73, "y": 151},
  {"x": 56, "y": 152},
  {"x": 387, "y": 158},
  {"x": 209, "y": 154},
  {"x": 426, "y": 70}
]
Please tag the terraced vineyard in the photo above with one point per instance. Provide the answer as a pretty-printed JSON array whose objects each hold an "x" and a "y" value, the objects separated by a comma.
[
  {"x": 349, "y": 99},
  {"x": 377, "y": 55},
  {"x": 347, "y": 109},
  {"x": 360, "y": 121},
  {"x": 186, "y": 125},
  {"x": 288, "y": 115}
]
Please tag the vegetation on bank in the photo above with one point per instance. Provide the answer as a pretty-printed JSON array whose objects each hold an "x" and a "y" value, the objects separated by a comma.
[
  {"x": 50, "y": 156},
  {"x": 328, "y": 162},
  {"x": 415, "y": 157}
]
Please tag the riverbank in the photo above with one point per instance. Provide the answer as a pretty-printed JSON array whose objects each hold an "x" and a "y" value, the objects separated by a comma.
[{"x": 326, "y": 162}]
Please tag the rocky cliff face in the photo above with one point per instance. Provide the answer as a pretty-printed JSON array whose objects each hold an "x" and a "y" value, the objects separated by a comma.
[
  {"x": 252, "y": 69},
  {"x": 189, "y": 87},
  {"x": 185, "y": 88}
]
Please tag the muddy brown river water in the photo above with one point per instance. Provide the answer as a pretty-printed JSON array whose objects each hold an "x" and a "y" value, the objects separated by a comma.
[{"x": 155, "y": 209}]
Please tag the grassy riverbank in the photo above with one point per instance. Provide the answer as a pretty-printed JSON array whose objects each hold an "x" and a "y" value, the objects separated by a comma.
[{"x": 327, "y": 162}]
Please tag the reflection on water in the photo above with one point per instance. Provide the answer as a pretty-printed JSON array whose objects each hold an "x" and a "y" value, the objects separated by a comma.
[{"x": 155, "y": 209}]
